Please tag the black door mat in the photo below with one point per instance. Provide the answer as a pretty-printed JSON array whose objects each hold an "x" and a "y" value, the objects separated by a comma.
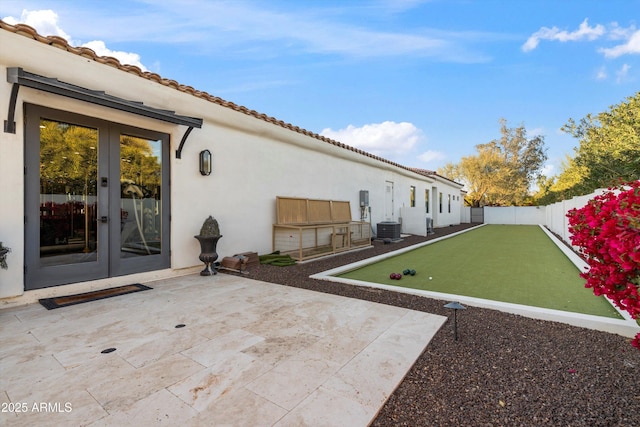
[{"x": 57, "y": 302}]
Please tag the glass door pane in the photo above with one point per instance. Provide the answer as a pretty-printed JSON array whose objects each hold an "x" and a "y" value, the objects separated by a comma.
[
  {"x": 68, "y": 193},
  {"x": 140, "y": 196}
]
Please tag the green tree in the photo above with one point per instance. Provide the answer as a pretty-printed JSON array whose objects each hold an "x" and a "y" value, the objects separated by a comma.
[
  {"x": 503, "y": 170},
  {"x": 138, "y": 164},
  {"x": 477, "y": 172},
  {"x": 68, "y": 158},
  {"x": 568, "y": 183},
  {"x": 609, "y": 149}
]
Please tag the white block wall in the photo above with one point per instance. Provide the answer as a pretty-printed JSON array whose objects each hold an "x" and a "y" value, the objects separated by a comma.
[
  {"x": 553, "y": 216},
  {"x": 523, "y": 215},
  {"x": 556, "y": 216},
  {"x": 414, "y": 220}
]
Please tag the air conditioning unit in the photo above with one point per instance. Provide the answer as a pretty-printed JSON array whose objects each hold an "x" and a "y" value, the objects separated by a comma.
[{"x": 388, "y": 230}]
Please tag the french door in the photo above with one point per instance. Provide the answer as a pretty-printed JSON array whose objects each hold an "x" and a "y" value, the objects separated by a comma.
[{"x": 96, "y": 198}]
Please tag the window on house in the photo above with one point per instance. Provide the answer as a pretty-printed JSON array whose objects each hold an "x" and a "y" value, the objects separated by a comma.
[
  {"x": 449, "y": 202},
  {"x": 426, "y": 201},
  {"x": 440, "y": 202},
  {"x": 412, "y": 197}
]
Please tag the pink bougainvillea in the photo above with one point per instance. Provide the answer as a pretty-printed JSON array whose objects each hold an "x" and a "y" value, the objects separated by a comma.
[{"x": 607, "y": 232}]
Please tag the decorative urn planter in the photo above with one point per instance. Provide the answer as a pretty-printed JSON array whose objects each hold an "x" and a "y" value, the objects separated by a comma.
[
  {"x": 3, "y": 256},
  {"x": 208, "y": 238}
]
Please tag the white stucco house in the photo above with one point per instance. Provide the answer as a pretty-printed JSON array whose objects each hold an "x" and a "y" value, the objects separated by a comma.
[{"x": 101, "y": 181}]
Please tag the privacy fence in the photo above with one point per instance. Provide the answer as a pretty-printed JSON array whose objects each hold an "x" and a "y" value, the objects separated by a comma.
[{"x": 553, "y": 216}]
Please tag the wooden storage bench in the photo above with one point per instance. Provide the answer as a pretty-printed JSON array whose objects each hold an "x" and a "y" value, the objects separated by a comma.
[{"x": 308, "y": 228}]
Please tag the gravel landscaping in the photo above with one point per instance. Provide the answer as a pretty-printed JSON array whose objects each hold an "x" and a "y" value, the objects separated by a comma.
[{"x": 504, "y": 370}]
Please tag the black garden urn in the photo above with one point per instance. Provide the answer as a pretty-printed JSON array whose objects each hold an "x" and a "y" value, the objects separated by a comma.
[{"x": 208, "y": 238}]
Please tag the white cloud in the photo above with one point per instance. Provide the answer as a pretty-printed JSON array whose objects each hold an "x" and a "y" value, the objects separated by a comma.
[
  {"x": 632, "y": 46},
  {"x": 616, "y": 32},
  {"x": 601, "y": 74},
  {"x": 101, "y": 49},
  {"x": 584, "y": 31},
  {"x": 387, "y": 139},
  {"x": 398, "y": 142},
  {"x": 262, "y": 28},
  {"x": 536, "y": 132},
  {"x": 431, "y": 156},
  {"x": 621, "y": 74},
  {"x": 315, "y": 32},
  {"x": 331, "y": 30},
  {"x": 401, "y": 5},
  {"x": 630, "y": 36},
  {"x": 45, "y": 23},
  {"x": 548, "y": 170}
]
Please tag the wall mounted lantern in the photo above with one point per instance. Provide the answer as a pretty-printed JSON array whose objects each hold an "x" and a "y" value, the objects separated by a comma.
[{"x": 205, "y": 162}]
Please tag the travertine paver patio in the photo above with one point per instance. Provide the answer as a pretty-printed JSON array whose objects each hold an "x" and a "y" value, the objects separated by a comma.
[{"x": 250, "y": 354}]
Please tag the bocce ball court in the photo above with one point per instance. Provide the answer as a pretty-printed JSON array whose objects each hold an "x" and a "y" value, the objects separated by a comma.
[{"x": 508, "y": 263}]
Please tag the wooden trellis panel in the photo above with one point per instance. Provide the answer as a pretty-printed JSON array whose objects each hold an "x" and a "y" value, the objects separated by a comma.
[
  {"x": 340, "y": 211},
  {"x": 291, "y": 210},
  {"x": 296, "y": 211},
  {"x": 319, "y": 211}
]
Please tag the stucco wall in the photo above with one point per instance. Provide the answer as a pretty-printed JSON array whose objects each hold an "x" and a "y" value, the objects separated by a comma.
[
  {"x": 253, "y": 161},
  {"x": 11, "y": 198}
]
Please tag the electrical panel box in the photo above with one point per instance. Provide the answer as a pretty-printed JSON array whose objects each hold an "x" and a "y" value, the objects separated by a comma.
[{"x": 364, "y": 198}]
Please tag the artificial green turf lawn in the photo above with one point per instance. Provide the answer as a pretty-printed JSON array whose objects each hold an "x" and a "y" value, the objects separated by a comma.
[{"x": 510, "y": 263}]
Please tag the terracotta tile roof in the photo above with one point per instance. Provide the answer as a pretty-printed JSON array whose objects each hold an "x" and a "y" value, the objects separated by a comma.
[
  {"x": 59, "y": 42},
  {"x": 427, "y": 172}
]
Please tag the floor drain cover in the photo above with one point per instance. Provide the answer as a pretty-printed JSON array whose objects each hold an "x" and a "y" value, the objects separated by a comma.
[
  {"x": 108, "y": 350},
  {"x": 180, "y": 325}
]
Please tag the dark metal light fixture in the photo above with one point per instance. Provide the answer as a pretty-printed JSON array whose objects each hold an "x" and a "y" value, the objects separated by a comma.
[
  {"x": 205, "y": 162},
  {"x": 455, "y": 306}
]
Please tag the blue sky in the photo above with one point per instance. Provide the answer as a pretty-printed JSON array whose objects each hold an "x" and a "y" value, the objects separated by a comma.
[{"x": 417, "y": 82}]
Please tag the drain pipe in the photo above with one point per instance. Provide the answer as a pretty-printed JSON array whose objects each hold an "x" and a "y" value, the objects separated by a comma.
[{"x": 373, "y": 233}]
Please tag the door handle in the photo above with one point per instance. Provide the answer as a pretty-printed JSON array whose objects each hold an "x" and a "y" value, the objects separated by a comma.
[{"x": 104, "y": 219}]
